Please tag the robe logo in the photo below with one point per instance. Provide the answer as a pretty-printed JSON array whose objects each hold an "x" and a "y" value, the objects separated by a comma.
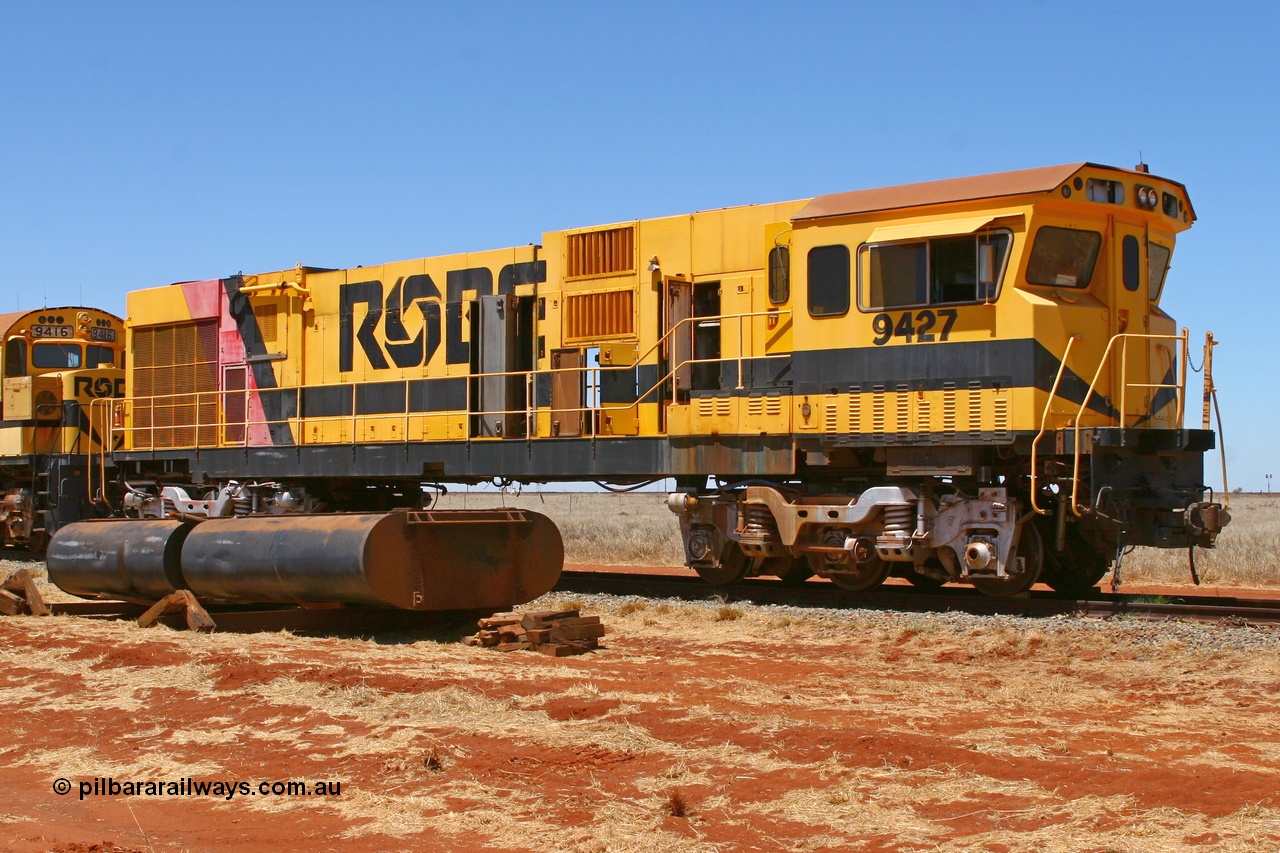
[
  {"x": 409, "y": 295},
  {"x": 383, "y": 330}
]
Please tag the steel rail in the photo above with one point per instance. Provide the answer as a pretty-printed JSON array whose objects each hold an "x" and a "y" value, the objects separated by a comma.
[{"x": 909, "y": 599}]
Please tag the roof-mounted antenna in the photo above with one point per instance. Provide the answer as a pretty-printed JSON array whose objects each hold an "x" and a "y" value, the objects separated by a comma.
[{"x": 1142, "y": 166}]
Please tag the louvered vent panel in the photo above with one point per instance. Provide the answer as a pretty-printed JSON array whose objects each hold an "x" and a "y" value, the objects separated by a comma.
[
  {"x": 904, "y": 409},
  {"x": 601, "y": 252},
  {"x": 267, "y": 323},
  {"x": 831, "y": 411},
  {"x": 877, "y": 409},
  {"x": 855, "y": 408},
  {"x": 1001, "y": 417},
  {"x": 975, "y": 409},
  {"x": 599, "y": 315},
  {"x": 949, "y": 409}
]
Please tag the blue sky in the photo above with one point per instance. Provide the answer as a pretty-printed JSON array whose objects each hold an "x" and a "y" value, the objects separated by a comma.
[{"x": 144, "y": 143}]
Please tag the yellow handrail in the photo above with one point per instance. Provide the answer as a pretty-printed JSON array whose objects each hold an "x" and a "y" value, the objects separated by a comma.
[
  {"x": 1044, "y": 421},
  {"x": 1179, "y": 385},
  {"x": 196, "y": 400}
]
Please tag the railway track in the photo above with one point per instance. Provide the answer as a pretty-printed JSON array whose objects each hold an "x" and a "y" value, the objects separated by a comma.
[
  {"x": 814, "y": 594},
  {"x": 1240, "y": 611}
]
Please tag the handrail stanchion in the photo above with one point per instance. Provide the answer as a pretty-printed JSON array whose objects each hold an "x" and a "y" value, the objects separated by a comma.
[{"x": 1044, "y": 422}]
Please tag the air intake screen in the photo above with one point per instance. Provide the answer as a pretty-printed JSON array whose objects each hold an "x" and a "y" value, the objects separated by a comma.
[
  {"x": 599, "y": 315},
  {"x": 602, "y": 252}
]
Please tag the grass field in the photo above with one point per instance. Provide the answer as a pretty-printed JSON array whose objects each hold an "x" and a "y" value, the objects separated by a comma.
[
  {"x": 692, "y": 731},
  {"x": 637, "y": 529}
]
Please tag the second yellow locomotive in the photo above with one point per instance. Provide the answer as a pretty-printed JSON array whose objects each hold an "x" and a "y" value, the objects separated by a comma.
[{"x": 966, "y": 380}]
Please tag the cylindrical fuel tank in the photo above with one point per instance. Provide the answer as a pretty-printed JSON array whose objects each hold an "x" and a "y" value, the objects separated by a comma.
[
  {"x": 425, "y": 560},
  {"x": 130, "y": 559}
]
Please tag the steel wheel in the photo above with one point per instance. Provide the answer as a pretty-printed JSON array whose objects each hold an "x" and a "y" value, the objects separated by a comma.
[
  {"x": 790, "y": 571},
  {"x": 921, "y": 581},
  {"x": 848, "y": 575},
  {"x": 1031, "y": 549},
  {"x": 733, "y": 567},
  {"x": 1076, "y": 570}
]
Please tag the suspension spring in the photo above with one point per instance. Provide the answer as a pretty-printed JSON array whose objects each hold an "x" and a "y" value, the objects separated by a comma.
[
  {"x": 899, "y": 520},
  {"x": 242, "y": 505},
  {"x": 758, "y": 523}
]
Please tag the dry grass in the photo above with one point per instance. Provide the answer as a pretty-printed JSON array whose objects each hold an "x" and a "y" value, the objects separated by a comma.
[
  {"x": 638, "y": 529},
  {"x": 741, "y": 728},
  {"x": 1247, "y": 553},
  {"x": 634, "y": 528}
]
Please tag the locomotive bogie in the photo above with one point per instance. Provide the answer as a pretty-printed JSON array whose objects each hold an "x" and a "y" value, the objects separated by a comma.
[{"x": 969, "y": 538}]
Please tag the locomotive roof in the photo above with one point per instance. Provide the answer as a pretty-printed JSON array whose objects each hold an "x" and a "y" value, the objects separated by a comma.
[
  {"x": 11, "y": 319},
  {"x": 1022, "y": 182}
]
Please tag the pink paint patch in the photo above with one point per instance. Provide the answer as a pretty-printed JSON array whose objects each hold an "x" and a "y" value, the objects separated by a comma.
[{"x": 204, "y": 298}]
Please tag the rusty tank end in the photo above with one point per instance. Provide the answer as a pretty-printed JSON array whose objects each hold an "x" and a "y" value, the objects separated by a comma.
[
  {"x": 137, "y": 560},
  {"x": 412, "y": 560}
]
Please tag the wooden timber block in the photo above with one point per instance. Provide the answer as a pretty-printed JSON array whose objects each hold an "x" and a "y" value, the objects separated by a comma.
[
  {"x": 10, "y": 604},
  {"x": 499, "y": 620},
  {"x": 539, "y": 618},
  {"x": 512, "y": 647},
  {"x": 558, "y": 650},
  {"x": 198, "y": 619},
  {"x": 576, "y": 632},
  {"x": 24, "y": 583},
  {"x": 573, "y": 621}
]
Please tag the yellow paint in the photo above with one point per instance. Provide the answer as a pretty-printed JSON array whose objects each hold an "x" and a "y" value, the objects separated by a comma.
[{"x": 727, "y": 250}]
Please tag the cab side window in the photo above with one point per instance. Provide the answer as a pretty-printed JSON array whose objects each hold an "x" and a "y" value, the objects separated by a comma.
[
  {"x": 15, "y": 357},
  {"x": 938, "y": 271},
  {"x": 828, "y": 281}
]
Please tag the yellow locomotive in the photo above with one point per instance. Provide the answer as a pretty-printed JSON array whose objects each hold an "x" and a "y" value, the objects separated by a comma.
[
  {"x": 967, "y": 380},
  {"x": 59, "y": 367}
]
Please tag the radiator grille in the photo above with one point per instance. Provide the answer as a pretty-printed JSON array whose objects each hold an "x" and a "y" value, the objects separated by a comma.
[
  {"x": 175, "y": 377},
  {"x": 601, "y": 252}
]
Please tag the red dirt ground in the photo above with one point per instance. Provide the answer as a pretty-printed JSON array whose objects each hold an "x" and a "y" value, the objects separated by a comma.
[{"x": 1151, "y": 748}]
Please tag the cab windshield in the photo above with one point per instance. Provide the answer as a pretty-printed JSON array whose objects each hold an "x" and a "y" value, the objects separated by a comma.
[
  {"x": 1063, "y": 257},
  {"x": 57, "y": 356},
  {"x": 1157, "y": 268}
]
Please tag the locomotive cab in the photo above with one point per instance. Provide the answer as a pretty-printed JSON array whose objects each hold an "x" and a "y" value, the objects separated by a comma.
[{"x": 60, "y": 369}]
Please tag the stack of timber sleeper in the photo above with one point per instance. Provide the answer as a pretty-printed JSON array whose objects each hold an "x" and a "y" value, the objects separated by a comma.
[{"x": 558, "y": 633}]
